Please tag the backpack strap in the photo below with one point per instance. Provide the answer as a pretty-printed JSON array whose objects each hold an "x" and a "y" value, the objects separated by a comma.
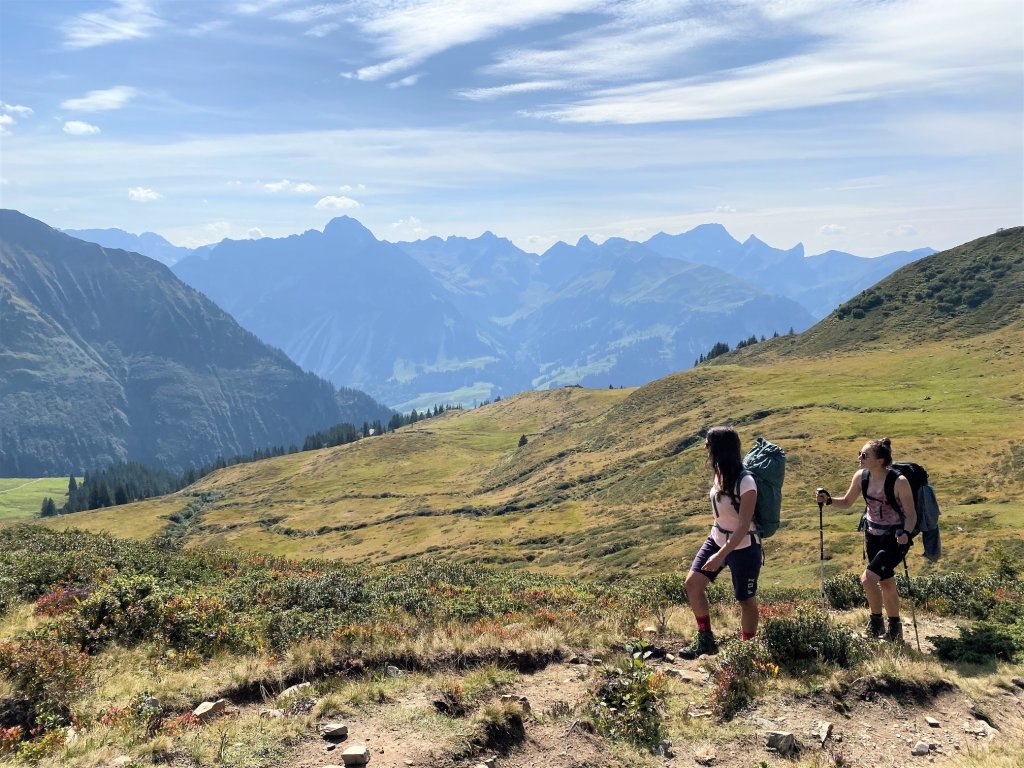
[
  {"x": 891, "y": 476},
  {"x": 714, "y": 505}
]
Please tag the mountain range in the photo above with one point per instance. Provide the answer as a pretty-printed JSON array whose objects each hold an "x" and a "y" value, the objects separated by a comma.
[
  {"x": 105, "y": 355},
  {"x": 464, "y": 320}
]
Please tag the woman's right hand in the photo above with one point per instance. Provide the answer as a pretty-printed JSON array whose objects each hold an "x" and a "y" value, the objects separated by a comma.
[{"x": 823, "y": 497}]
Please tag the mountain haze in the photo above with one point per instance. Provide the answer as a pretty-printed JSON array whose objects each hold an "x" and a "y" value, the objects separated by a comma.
[
  {"x": 148, "y": 243},
  {"x": 106, "y": 356}
]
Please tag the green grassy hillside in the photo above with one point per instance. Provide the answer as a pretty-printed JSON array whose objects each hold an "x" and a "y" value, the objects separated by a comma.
[{"x": 613, "y": 481}]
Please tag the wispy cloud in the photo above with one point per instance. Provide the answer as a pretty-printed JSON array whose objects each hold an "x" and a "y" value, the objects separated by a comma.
[
  {"x": 126, "y": 20},
  {"x": 335, "y": 203},
  {"x": 143, "y": 195},
  {"x": 313, "y": 12},
  {"x": 322, "y": 30},
  {"x": 408, "y": 33},
  {"x": 831, "y": 230},
  {"x": 289, "y": 186},
  {"x": 903, "y": 230},
  {"x": 405, "y": 82},
  {"x": 498, "y": 91},
  {"x": 101, "y": 101},
  {"x": 866, "y": 52},
  {"x": 78, "y": 128},
  {"x": 17, "y": 110}
]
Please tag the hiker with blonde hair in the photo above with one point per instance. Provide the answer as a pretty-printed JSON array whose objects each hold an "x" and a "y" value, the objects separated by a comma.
[{"x": 886, "y": 532}]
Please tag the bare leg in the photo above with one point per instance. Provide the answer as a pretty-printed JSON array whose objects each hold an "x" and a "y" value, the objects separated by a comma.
[
  {"x": 872, "y": 591},
  {"x": 749, "y": 615},
  {"x": 696, "y": 591},
  {"x": 890, "y": 597}
]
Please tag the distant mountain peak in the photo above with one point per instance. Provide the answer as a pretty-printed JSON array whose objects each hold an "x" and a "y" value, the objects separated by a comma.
[
  {"x": 347, "y": 228},
  {"x": 585, "y": 241}
]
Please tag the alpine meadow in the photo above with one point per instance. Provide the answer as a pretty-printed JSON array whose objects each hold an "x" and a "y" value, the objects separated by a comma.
[{"x": 562, "y": 384}]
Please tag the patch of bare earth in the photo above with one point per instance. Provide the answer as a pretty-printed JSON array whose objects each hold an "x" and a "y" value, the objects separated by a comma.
[{"x": 874, "y": 721}]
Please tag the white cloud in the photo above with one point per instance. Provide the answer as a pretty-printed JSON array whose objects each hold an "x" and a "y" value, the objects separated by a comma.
[
  {"x": 127, "y": 20},
  {"x": 411, "y": 32},
  {"x": 312, "y": 12},
  {"x": 866, "y": 51},
  {"x": 103, "y": 100},
  {"x": 78, "y": 128},
  {"x": 408, "y": 228},
  {"x": 350, "y": 188},
  {"x": 322, "y": 30},
  {"x": 18, "y": 110},
  {"x": 333, "y": 203},
  {"x": 405, "y": 82},
  {"x": 254, "y": 234},
  {"x": 254, "y": 7},
  {"x": 288, "y": 186},
  {"x": 143, "y": 195},
  {"x": 831, "y": 230},
  {"x": 903, "y": 230},
  {"x": 6, "y": 120},
  {"x": 487, "y": 94},
  {"x": 724, "y": 209}
]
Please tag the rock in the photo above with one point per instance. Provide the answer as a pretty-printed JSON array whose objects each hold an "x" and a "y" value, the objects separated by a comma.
[
  {"x": 333, "y": 730},
  {"x": 670, "y": 658},
  {"x": 687, "y": 675},
  {"x": 1018, "y": 681},
  {"x": 357, "y": 754},
  {"x": 821, "y": 731},
  {"x": 980, "y": 728},
  {"x": 490, "y": 762},
  {"x": 582, "y": 671},
  {"x": 651, "y": 630},
  {"x": 782, "y": 742},
  {"x": 392, "y": 671},
  {"x": 271, "y": 714},
  {"x": 151, "y": 703},
  {"x": 921, "y": 748},
  {"x": 522, "y": 701},
  {"x": 209, "y": 709},
  {"x": 299, "y": 688},
  {"x": 932, "y": 722}
]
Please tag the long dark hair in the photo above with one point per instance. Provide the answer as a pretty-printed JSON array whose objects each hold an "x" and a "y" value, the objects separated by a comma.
[
  {"x": 726, "y": 460},
  {"x": 883, "y": 450}
]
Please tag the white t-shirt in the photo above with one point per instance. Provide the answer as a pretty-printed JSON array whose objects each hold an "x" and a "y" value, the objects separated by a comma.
[{"x": 728, "y": 515}]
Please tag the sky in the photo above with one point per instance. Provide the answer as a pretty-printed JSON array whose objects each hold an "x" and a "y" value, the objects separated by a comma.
[{"x": 867, "y": 126}]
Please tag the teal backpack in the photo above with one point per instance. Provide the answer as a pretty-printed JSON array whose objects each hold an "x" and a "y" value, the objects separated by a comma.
[{"x": 767, "y": 463}]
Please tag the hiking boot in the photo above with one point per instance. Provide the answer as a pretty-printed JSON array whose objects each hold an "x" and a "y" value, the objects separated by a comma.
[
  {"x": 895, "y": 632},
  {"x": 703, "y": 643},
  {"x": 876, "y": 626}
]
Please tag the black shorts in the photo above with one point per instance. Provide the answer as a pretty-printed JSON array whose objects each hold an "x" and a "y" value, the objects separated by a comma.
[
  {"x": 884, "y": 554},
  {"x": 744, "y": 565}
]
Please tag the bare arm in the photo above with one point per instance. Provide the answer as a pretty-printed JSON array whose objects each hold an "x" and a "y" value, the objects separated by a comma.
[{"x": 852, "y": 493}]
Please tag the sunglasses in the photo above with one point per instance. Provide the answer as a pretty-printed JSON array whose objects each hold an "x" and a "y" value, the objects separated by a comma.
[{"x": 863, "y": 455}]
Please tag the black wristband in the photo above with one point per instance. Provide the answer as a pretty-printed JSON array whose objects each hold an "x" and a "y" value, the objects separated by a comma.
[{"x": 902, "y": 532}]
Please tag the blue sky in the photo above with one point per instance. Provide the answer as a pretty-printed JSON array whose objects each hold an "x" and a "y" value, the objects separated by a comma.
[{"x": 860, "y": 125}]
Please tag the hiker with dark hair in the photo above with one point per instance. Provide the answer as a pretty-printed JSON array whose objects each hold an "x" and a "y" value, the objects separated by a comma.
[
  {"x": 886, "y": 526},
  {"x": 733, "y": 542}
]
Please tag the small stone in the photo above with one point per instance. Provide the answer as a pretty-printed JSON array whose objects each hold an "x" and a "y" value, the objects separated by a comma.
[
  {"x": 782, "y": 742},
  {"x": 330, "y": 747},
  {"x": 670, "y": 658},
  {"x": 651, "y": 630},
  {"x": 921, "y": 748},
  {"x": 151, "y": 702},
  {"x": 333, "y": 730},
  {"x": 822, "y": 730},
  {"x": 489, "y": 762},
  {"x": 209, "y": 709},
  {"x": 686, "y": 675},
  {"x": 298, "y": 688},
  {"x": 932, "y": 722},
  {"x": 357, "y": 754},
  {"x": 392, "y": 671},
  {"x": 271, "y": 714}
]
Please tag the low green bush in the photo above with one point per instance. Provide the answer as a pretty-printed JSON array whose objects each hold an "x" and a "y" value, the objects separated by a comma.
[
  {"x": 810, "y": 635},
  {"x": 626, "y": 704},
  {"x": 982, "y": 643}
]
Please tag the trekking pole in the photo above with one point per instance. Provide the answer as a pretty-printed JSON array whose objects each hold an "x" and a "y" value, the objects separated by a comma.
[
  {"x": 913, "y": 611},
  {"x": 821, "y": 549}
]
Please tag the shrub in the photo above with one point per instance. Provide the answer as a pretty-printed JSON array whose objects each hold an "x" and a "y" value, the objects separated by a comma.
[
  {"x": 845, "y": 592},
  {"x": 741, "y": 669},
  {"x": 626, "y": 704},
  {"x": 810, "y": 635},
  {"x": 982, "y": 643},
  {"x": 47, "y": 674}
]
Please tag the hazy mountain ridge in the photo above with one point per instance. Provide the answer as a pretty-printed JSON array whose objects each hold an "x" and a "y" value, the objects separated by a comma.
[
  {"x": 107, "y": 356},
  {"x": 148, "y": 243}
]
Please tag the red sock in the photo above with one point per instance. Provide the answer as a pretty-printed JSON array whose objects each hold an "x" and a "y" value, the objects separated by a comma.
[
  {"x": 747, "y": 636},
  {"x": 704, "y": 623}
]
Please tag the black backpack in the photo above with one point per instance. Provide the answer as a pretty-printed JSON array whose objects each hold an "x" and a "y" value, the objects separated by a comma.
[{"x": 925, "y": 503}]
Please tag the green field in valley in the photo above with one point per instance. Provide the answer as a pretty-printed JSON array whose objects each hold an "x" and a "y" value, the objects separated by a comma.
[{"x": 23, "y": 496}]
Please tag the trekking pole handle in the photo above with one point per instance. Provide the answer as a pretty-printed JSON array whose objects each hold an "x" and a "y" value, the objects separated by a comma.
[{"x": 828, "y": 497}]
